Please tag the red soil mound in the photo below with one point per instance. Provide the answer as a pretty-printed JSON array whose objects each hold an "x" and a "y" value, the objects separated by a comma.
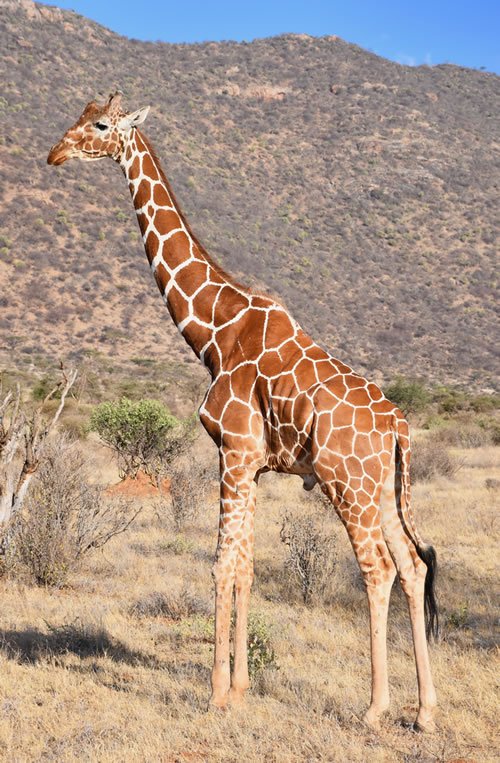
[{"x": 142, "y": 486}]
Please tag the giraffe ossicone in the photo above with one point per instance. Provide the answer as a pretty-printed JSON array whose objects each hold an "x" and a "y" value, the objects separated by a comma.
[{"x": 276, "y": 401}]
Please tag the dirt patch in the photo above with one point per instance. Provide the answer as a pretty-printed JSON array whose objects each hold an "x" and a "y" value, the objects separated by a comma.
[{"x": 141, "y": 486}]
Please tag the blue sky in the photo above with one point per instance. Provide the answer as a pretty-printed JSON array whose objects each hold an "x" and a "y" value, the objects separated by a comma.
[{"x": 462, "y": 32}]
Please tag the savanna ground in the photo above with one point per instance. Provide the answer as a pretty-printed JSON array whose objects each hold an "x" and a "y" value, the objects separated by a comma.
[{"x": 115, "y": 666}]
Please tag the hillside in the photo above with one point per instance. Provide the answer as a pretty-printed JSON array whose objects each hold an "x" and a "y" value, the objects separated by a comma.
[{"x": 361, "y": 192}]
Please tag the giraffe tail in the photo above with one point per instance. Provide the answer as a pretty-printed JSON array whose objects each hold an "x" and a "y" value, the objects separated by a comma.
[{"x": 425, "y": 551}]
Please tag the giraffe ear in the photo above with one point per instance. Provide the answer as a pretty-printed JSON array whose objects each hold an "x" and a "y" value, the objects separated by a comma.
[{"x": 134, "y": 119}]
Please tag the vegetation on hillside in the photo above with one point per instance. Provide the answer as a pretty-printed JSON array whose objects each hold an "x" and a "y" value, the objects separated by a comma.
[{"x": 361, "y": 192}]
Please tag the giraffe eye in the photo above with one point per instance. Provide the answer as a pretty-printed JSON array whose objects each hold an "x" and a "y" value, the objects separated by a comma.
[{"x": 101, "y": 126}]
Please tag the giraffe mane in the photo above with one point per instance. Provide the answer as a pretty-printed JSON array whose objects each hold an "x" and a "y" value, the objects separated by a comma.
[{"x": 218, "y": 268}]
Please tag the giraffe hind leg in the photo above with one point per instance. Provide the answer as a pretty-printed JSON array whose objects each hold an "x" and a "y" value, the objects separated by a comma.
[
  {"x": 378, "y": 571},
  {"x": 412, "y": 573}
]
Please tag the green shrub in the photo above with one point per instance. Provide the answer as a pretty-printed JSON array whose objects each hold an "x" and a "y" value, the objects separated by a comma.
[
  {"x": 260, "y": 648},
  {"x": 409, "y": 395},
  {"x": 260, "y": 652},
  {"x": 144, "y": 434}
]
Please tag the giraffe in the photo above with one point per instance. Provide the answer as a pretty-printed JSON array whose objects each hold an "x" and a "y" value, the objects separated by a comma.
[{"x": 276, "y": 401}]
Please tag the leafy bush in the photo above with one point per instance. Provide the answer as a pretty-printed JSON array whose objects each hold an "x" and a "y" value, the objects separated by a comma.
[
  {"x": 63, "y": 517},
  {"x": 144, "y": 434},
  {"x": 260, "y": 648},
  {"x": 312, "y": 554},
  {"x": 409, "y": 395}
]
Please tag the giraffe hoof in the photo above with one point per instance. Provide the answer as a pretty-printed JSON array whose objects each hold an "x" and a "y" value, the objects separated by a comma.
[
  {"x": 236, "y": 696},
  {"x": 217, "y": 704},
  {"x": 372, "y": 720},
  {"x": 429, "y": 727}
]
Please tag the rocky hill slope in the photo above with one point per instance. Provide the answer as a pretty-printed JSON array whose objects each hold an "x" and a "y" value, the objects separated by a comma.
[{"x": 359, "y": 191}]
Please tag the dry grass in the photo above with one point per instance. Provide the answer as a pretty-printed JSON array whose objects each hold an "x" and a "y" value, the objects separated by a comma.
[{"x": 88, "y": 673}]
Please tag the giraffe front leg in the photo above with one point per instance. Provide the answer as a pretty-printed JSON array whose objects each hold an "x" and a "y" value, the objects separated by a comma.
[
  {"x": 236, "y": 482},
  {"x": 240, "y": 680}
]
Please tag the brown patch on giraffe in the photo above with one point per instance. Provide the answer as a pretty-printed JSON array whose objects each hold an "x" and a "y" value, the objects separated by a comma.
[
  {"x": 236, "y": 302},
  {"x": 195, "y": 277},
  {"x": 203, "y": 303},
  {"x": 363, "y": 419},
  {"x": 304, "y": 373},
  {"x": 162, "y": 277},
  {"x": 343, "y": 416},
  {"x": 358, "y": 397},
  {"x": 373, "y": 469},
  {"x": 166, "y": 220},
  {"x": 152, "y": 244},
  {"x": 341, "y": 441},
  {"x": 258, "y": 300},
  {"x": 327, "y": 373},
  {"x": 178, "y": 304},
  {"x": 143, "y": 193},
  {"x": 354, "y": 382},
  {"x": 241, "y": 341},
  {"x": 270, "y": 364},
  {"x": 161, "y": 197},
  {"x": 242, "y": 380},
  {"x": 375, "y": 392},
  {"x": 143, "y": 221},
  {"x": 286, "y": 411},
  {"x": 368, "y": 484},
  {"x": 340, "y": 367},
  {"x": 148, "y": 168},
  {"x": 279, "y": 327},
  {"x": 135, "y": 169},
  {"x": 337, "y": 387},
  {"x": 362, "y": 445},
  {"x": 288, "y": 436},
  {"x": 370, "y": 515},
  {"x": 355, "y": 469},
  {"x": 315, "y": 353},
  {"x": 382, "y": 406},
  {"x": 355, "y": 483},
  {"x": 284, "y": 385},
  {"x": 177, "y": 251},
  {"x": 219, "y": 394},
  {"x": 376, "y": 441}
]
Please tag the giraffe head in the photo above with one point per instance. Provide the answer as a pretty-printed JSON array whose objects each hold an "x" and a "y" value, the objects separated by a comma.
[{"x": 100, "y": 131}]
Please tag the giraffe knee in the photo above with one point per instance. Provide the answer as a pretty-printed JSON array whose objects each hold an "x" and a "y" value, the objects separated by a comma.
[
  {"x": 223, "y": 572},
  {"x": 412, "y": 577}
]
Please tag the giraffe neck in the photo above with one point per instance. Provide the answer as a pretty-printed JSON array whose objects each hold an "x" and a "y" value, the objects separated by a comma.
[{"x": 199, "y": 295}]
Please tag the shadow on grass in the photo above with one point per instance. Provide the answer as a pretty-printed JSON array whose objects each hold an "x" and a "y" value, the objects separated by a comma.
[{"x": 32, "y": 645}]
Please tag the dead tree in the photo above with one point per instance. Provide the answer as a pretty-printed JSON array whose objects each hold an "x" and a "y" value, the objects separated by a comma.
[{"x": 22, "y": 438}]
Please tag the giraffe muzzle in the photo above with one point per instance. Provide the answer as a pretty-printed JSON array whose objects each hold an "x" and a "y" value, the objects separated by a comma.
[{"x": 58, "y": 154}]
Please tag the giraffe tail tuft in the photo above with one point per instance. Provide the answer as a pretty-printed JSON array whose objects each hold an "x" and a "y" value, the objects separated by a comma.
[{"x": 428, "y": 556}]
